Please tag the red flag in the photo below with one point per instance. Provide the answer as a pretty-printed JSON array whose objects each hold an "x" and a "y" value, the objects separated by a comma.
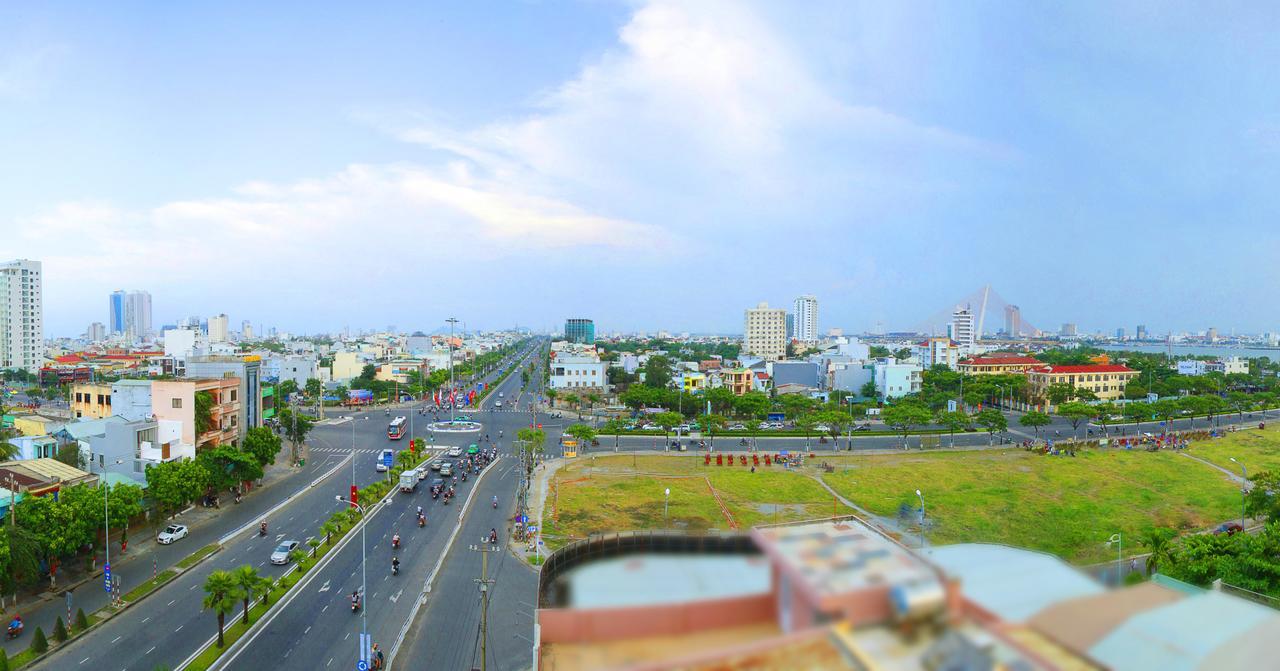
[{"x": 353, "y": 495}]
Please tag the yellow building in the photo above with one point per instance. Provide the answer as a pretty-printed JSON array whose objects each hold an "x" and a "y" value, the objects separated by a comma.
[
  {"x": 737, "y": 380},
  {"x": 694, "y": 383},
  {"x": 998, "y": 364},
  {"x": 1106, "y": 381},
  {"x": 89, "y": 400},
  {"x": 36, "y": 425}
]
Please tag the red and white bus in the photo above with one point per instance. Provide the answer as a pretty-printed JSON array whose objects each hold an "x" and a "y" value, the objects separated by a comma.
[{"x": 395, "y": 431}]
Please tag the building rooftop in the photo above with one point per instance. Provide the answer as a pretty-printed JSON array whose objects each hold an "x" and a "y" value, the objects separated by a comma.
[
  {"x": 1012, "y": 583},
  {"x": 1001, "y": 360},
  {"x": 651, "y": 579},
  {"x": 838, "y": 557},
  {"x": 1080, "y": 623}
]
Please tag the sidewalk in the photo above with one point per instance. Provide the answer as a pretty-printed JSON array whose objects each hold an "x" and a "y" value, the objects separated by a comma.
[{"x": 42, "y": 608}]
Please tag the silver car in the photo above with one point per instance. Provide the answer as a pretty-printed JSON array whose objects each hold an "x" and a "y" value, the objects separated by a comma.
[{"x": 281, "y": 556}]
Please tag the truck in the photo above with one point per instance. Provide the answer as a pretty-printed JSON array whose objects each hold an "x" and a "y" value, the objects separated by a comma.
[{"x": 409, "y": 481}]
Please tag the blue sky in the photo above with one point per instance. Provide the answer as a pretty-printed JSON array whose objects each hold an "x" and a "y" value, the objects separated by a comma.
[{"x": 650, "y": 164}]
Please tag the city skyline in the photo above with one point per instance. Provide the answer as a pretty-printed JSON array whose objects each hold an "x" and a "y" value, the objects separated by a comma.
[{"x": 823, "y": 144}]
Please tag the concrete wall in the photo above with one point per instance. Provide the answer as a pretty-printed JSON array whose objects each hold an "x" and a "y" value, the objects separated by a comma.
[
  {"x": 566, "y": 625},
  {"x": 163, "y": 395}
]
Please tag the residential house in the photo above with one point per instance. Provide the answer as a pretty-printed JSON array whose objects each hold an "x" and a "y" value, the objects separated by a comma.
[
  {"x": 399, "y": 370},
  {"x": 578, "y": 371},
  {"x": 247, "y": 371},
  {"x": 692, "y": 383},
  {"x": 737, "y": 380},
  {"x": 1192, "y": 367},
  {"x": 91, "y": 400},
  {"x": 35, "y": 447},
  {"x": 131, "y": 399},
  {"x": 175, "y": 400},
  {"x": 937, "y": 352},
  {"x": 895, "y": 379}
]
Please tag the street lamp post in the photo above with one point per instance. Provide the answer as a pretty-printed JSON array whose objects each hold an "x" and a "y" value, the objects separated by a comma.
[
  {"x": 364, "y": 624},
  {"x": 106, "y": 517},
  {"x": 1119, "y": 541},
  {"x": 666, "y": 498},
  {"x": 1244, "y": 481},
  {"x": 920, "y": 496},
  {"x": 452, "y": 405}
]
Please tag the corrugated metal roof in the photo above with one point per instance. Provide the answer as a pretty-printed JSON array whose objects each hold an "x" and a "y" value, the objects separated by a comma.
[
  {"x": 1182, "y": 635},
  {"x": 1012, "y": 583}
]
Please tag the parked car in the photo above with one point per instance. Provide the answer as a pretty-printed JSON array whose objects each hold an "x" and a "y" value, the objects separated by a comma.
[
  {"x": 823, "y": 428},
  {"x": 281, "y": 555},
  {"x": 737, "y": 427},
  {"x": 172, "y": 533}
]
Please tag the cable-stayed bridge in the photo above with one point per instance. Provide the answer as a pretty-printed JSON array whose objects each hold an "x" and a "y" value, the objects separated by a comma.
[{"x": 991, "y": 314}]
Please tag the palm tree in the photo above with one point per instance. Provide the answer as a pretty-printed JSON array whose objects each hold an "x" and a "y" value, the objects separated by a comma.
[
  {"x": 220, "y": 596},
  {"x": 328, "y": 529},
  {"x": 247, "y": 582},
  {"x": 1159, "y": 541}
]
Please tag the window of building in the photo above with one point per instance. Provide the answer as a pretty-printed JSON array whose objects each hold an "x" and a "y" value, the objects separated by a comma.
[
  {"x": 233, "y": 395},
  {"x": 177, "y": 403}
]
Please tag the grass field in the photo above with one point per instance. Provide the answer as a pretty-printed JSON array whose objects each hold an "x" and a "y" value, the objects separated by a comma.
[
  {"x": 1067, "y": 506},
  {"x": 1257, "y": 450},
  {"x": 607, "y": 495}
]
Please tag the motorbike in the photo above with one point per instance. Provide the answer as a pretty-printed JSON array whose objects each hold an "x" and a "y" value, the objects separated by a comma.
[
  {"x": 395, "y": 568},
  {"x": 15, "y": 629},
  {"x": 355, "y": 605},
  {"x": 464, "y": 476},
  {"x": 395, "y": 543},
  {"x": 495, "y": 505},
  {"x": 262, "y": 530},
  {"x": 422, "y": 521}
]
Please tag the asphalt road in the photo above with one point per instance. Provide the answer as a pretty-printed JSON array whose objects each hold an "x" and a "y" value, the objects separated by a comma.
[
  {"x": 317, "y": 630},
  {"x": 166, "y": 627}
]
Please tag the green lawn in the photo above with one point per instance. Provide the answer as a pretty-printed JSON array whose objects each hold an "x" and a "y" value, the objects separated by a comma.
[
  {"x": 610, "y": 496},
  {"x": 1066, "y": 506},
  {"x": 1063, "y": 505},
  {"x": 1257, "y": 450},
  {"x": 152, "y": 583},
  {"x": 195, "y": 557}
]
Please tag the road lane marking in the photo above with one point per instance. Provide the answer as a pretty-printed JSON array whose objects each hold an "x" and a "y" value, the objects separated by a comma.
[
  {"x": 84, "y": 660},
  {"x": 144, "y": 620},
  {"x": 325, "y": 587},
  {"x": 191, "y": 588},
  {"x": 307, "y": 630},
  {"x": 396, "y": 597},
  {"x": 173, "y": 602},
  {"x": 117, "y": 639},
  {"x": 153, "y": 649},
  {"x": 329, "y": 662},
  {"x": 324, "y": 609},
  {"x": 179, "y": 628}
]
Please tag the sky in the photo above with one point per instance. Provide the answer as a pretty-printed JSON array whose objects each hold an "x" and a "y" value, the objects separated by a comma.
[{"x": 650, "y": 165}]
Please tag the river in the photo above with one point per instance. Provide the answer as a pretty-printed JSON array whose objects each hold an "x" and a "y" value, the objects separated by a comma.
[{"x": 1199, "y": 350}]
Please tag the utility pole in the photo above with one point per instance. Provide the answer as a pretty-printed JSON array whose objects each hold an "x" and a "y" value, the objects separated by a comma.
[
  {"x": 485, "y": 582},
  {"x": 452, "y": 404}
]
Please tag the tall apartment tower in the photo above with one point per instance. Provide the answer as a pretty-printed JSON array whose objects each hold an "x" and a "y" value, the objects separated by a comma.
[
  {"x": 960, "y": 329},
  {"x": 116, "y": 314},
  {"x": 246, "y": 330},
  {"x": 218, "y": 328},
  {"x": 96, "y": 332},
  {"x": 1141, "y": 332},
  {"x": 1012, "y": 320},
  {"x": 580, "y": 331},
  {"x": 21, "y": 315},
  {"x": 806, "y": 320},
  {"x": 138, "y": 314},
  {"x": 765, "y": 333}
]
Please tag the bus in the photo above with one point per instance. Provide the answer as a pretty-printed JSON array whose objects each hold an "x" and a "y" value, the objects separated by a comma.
[{"x": 395, "y": 431}]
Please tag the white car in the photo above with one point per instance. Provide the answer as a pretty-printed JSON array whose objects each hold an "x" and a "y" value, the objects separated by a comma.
[
  {"x": 455, "y": 451},
  {"x": 281, "y": 556},
  {"x": 737, "y": 427},
  {"x": 822, "y": 428},
  {"x": 172, "y": 533}
]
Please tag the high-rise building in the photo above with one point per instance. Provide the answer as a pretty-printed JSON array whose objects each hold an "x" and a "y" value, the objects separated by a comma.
[
  {"x": 1141, "y": 332},
  {"x": 138, "y": 314},
  {"x": 21, "y": 315},
  {"x": 791, "y": 326},
  {"x": 129, "y": 313},
  {"x": 806, "y": 319},
  {"x": 96, "y": 332},
  {"x": 765, "y": 334},
  {"x": 960, "y": 329},
  {"x": 246, "y": 330},
  {"x": 1120, "y": 333},
  {"x": 116, "y": 311},
  {"x": 580, "y": 331},
  {"x": 1068, "y": 329},
  {"x": 1012, "y": 320},
  {"x": 218, "y": 328},
  {"x": 1212, "y": 334}
]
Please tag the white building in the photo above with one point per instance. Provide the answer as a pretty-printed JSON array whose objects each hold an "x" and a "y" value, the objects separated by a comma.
[
  {"x": 765, "y": 334},
  {"x": 138, "y": 314},
  {"x": 1228, "y": 366},
  {"x": 578, "y": 371},
  {"x": 1192, "y": 367},
  {"x": 179, "y": 343},
  {"x": 218, "y": 328},
  {"x": 894, "y": 379},
  {"x": 21, "y": 315},
  {"x": 961, "y": 328},
  {"x": 806, "y": 319},
  {"x": 246, "y": 330},
  {"x": 97, "y": 332}
]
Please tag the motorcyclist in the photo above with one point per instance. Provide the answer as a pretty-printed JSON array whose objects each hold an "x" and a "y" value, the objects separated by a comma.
[
  {"x": 495, "y": 500},
  {"x": 395, "y": 565},
  {"x": 355, "y": 600},
  {"x": 493, "y": 535},
  {"x": 395, "y": 541},
  {"x": 422, "y": 520},
  {"x": 262, "y": 528},
  {"x": 419, "y": 511}
]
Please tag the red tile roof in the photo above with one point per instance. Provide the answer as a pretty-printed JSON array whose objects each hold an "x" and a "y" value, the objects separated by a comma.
[
  {"x": 1093, "y": 368},
  {"x": 1001, "y": 361},
  {"x": 69, "y": 358}
]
